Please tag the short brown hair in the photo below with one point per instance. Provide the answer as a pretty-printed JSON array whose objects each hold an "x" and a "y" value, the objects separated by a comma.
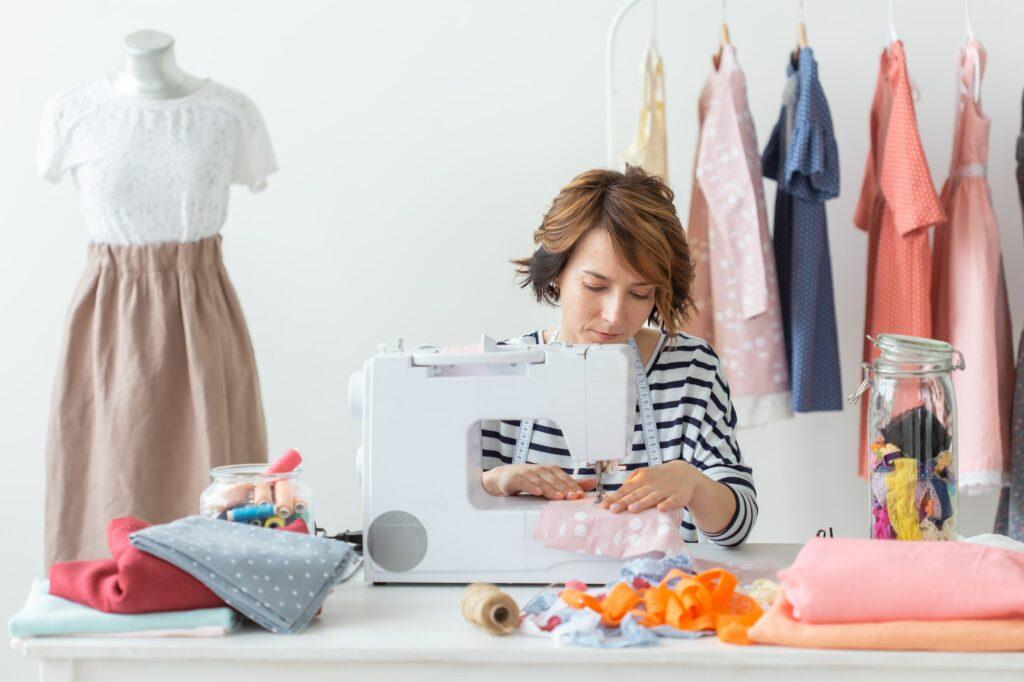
[{"x": 637, "y": 211}]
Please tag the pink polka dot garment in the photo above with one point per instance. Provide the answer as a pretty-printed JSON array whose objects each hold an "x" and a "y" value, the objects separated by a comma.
[
  {"x": 582, "y": 526},
  {"x": 736, "y": 290}
]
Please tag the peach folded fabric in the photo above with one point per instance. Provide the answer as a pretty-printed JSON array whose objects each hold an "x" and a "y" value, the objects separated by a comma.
[
  {"x": 778, "y": 627},
  {"x": 848, "y": 580}
]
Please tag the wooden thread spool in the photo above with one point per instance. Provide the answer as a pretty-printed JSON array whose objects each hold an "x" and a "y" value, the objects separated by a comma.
[{"x": 485, "y": 605}]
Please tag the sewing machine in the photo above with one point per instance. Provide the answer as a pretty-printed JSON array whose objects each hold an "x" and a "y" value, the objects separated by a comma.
[{"x": 427, "y": 517}]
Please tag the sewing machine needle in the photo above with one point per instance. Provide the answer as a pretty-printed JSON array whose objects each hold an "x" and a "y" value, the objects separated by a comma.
[{"x": 600, "y": 487}]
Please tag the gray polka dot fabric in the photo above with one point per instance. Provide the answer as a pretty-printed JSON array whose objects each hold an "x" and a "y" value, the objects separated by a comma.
[
  {"x": 802, "y": 156},
  {"x": 276, "y": 578}
]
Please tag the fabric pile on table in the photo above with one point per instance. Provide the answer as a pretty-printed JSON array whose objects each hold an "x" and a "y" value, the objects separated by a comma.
[
  {"x": 189, "y": 577},
  {"x": 844, "y": 593},
  {"x": 47, "y": 615},
  {"x": 279, "y": 580},
  {"x": 653, "y": 598}
]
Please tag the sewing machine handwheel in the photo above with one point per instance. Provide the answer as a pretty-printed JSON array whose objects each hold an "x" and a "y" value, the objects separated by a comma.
[{"x": 396, "y": 541}]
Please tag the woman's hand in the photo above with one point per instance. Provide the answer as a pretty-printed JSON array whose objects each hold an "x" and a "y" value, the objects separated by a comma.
[
  {"x": 542, "y": 480},
  {"x": 669, "y": 486},
  {"x": 674, "y": 485}
]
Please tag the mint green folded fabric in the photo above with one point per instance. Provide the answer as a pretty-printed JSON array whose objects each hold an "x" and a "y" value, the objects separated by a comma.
[{"x": 43, "y": 614}]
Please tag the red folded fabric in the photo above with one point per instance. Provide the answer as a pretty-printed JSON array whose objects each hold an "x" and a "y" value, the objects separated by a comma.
[{"x": 133, "y": 581}]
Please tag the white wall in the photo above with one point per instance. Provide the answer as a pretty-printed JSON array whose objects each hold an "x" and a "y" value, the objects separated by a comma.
[{"x": 420, "y": 142}]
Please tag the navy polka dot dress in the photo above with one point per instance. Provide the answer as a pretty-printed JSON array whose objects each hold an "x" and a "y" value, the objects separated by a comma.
[{"x": 802, "y": 158}]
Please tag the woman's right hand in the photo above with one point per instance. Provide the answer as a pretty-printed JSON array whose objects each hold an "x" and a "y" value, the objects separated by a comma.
[{"x": 541, "y": 480}]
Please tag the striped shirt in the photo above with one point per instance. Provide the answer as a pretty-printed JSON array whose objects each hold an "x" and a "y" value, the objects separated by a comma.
[{"x": 695, "y": 422}]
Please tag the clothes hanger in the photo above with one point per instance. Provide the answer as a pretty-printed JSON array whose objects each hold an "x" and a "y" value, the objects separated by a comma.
[
  {"x": 893, "y": 37},
  {"x": 801, "y": 34},
  {"x": 651, "y": 57},
  {"x": 654, "y": 25},
  {"x": 609, "y": 76},
  {"x": 969, "y": 38},
  {"x": 723, "y": 38}
]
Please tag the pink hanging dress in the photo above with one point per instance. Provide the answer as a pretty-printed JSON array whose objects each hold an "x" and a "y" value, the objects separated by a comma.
[
  {"x": 736, "y": 290},
  {"x": 969, "y": 292}
]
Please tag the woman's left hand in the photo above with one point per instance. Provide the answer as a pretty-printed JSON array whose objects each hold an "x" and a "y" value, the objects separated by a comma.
[{"x": 669, "y": 486}]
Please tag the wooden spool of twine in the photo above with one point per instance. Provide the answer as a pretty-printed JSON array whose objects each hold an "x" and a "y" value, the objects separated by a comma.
[{"x": 485, "y": 605}]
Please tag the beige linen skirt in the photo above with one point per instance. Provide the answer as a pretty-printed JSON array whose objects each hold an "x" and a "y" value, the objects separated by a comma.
[{"x": 156, "y": 384}]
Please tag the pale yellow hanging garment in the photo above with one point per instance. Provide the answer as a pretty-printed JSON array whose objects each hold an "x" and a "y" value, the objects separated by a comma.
[{"x": 649, "y": 148}]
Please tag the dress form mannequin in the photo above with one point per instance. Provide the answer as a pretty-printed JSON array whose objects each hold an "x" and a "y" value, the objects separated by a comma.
[
  {"x": 154, "y": 153},
  {"x": 149, "y": 70}
]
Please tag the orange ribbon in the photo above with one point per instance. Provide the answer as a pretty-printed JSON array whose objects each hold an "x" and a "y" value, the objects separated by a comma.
[{"x": 707, "y": 601}]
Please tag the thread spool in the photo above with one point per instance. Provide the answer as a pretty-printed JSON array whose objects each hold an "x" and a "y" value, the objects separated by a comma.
[
  {"x": 284, "y": 498},
  {"x": 251, "y": 513},
  {"x": 488, "y": 607},
  {"x": 229, "y": 497},
  {"x": 261, "y": 494},
  {"x": 285, "y": 463}
]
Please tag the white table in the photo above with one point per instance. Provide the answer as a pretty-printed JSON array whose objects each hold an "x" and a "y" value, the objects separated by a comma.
[{"x": 398, "y": 632}]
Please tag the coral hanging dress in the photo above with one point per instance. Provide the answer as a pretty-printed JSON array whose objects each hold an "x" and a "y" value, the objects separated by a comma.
[{"x": 897, "y": 205}]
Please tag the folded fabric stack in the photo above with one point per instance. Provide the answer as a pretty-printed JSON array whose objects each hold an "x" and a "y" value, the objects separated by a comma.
[
  {"x": 130, "y": 582},
  {"x": 47, "y": 615},
  {"x": 186, "y": 578},
  {"x": 843, "y": 593},
  {"x": 279, "y": 580},
  {"x": 653, "y": 598}
]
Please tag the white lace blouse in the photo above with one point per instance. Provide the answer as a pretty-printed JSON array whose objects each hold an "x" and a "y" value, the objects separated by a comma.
[{"x": 154, "y": 170}]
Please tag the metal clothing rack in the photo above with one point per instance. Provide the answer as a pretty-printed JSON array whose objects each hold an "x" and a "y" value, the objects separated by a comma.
[
  {"x": 609, "y": 76},
  {"x": 613, "y": 31}
]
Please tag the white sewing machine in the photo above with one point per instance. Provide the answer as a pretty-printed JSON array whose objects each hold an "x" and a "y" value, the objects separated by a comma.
[{"x": 427, "y": 517}]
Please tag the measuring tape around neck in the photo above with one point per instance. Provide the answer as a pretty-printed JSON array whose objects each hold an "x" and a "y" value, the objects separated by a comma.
[{"x": 643, "y": 390}]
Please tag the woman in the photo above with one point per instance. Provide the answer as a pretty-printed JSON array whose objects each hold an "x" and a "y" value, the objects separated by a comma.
[{"x": 611, "y": 251}]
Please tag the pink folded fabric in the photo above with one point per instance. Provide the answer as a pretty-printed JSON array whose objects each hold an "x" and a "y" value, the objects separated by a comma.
[
  {"x": 846, "y": 580},
  {"x": 778, "y": 627},
  {"x": 583, "y": 526}
]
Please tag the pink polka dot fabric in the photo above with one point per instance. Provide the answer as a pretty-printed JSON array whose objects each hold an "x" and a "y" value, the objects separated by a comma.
[
  {"x": 736, "y": 289},
  {"x": 582, "y": 526}
]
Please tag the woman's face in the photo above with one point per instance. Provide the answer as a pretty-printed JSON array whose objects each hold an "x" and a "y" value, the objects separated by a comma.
[{"x": 603, "y": 300}]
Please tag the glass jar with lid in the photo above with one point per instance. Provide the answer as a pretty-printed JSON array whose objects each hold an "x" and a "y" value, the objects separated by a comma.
[
  {"x": 245, "y": 493},
  {"x": 912, "y": 438}
]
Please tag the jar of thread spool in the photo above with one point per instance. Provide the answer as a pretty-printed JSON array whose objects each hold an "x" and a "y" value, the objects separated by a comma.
[
  {"x": 246, "y": 493},
  {"x": 912, "y": 438}
]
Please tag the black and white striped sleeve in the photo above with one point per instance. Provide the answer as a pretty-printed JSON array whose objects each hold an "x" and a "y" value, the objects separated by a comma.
[
  {"x": 719, "y": 455},
  {"x": 496, "y": 448}
]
